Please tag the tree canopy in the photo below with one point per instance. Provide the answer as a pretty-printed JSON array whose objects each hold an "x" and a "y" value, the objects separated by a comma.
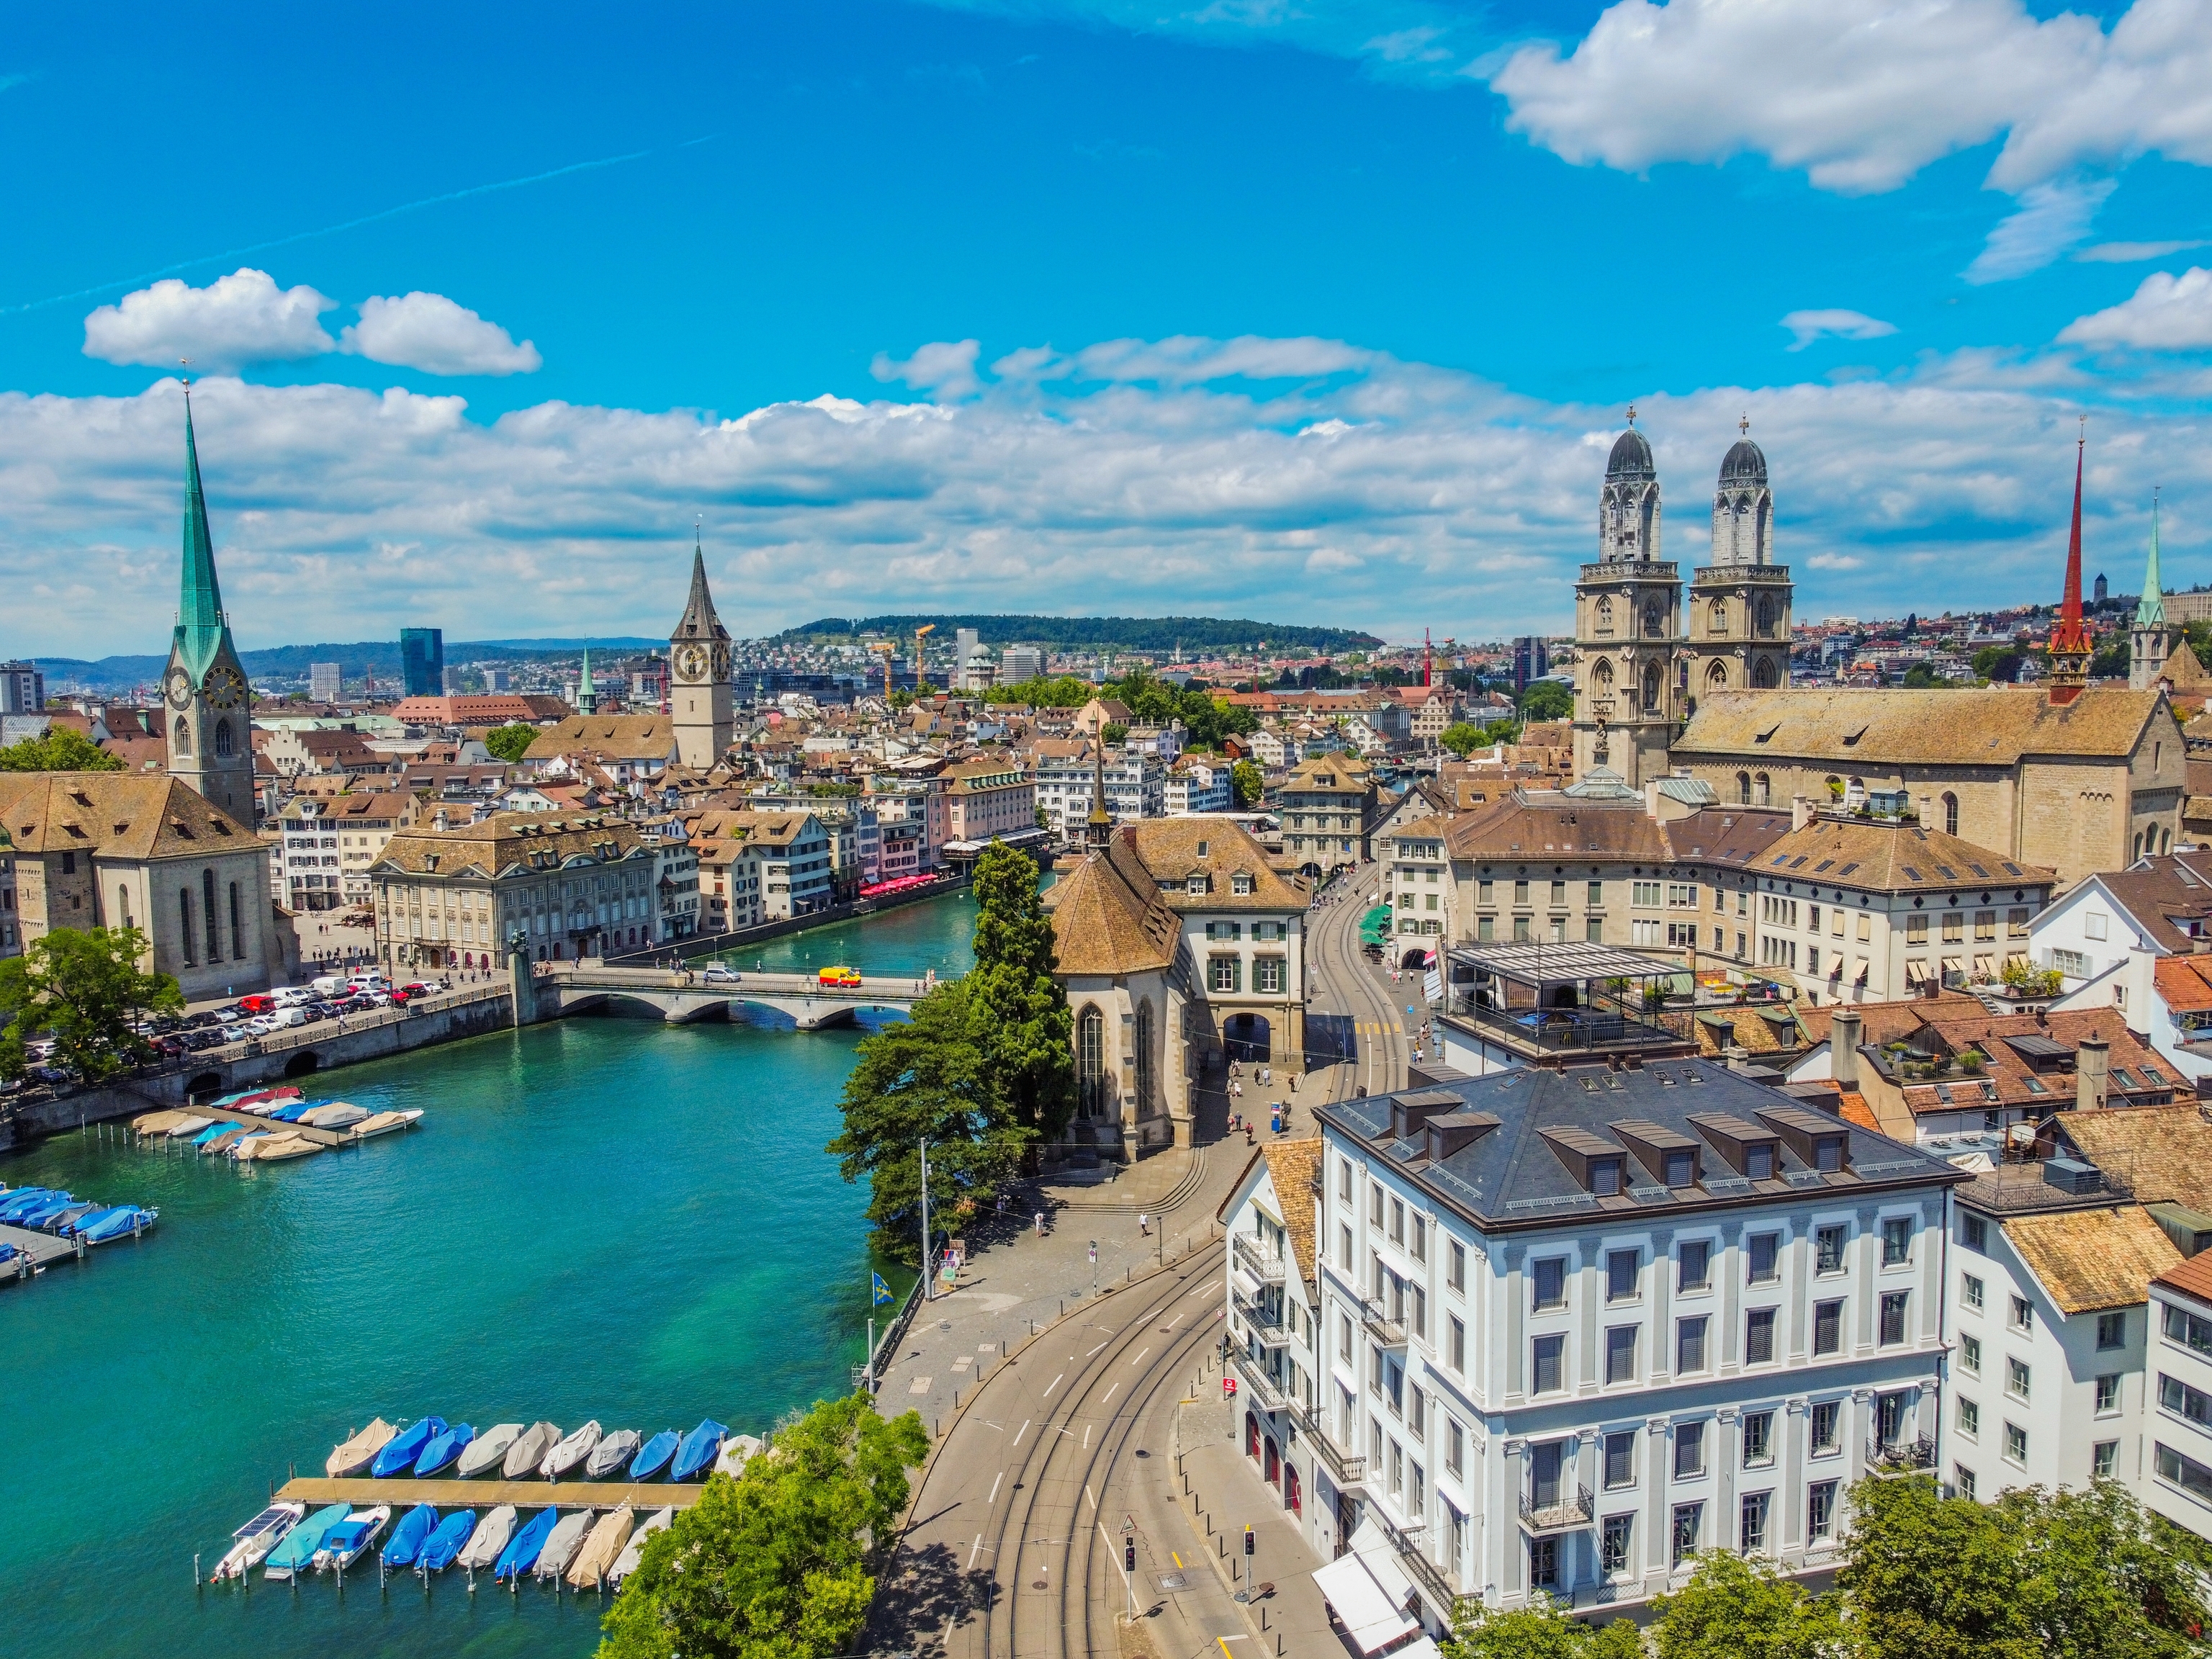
[
  {"x": 508, "y": 742},
  {"x": 1547, "y": 700},
  {"x": 774, "y": 1563},
  {"x": 63, "y": 749},
  {"x": 84, "y": 988},
  {"x": 1462, "y": 737},
  {"x": 1249, "y": 782}
]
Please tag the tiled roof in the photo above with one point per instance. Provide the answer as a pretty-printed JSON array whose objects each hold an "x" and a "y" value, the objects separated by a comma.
[
  {"x": 1891, "y": 857},
  {"x": 2193, "y": 1274},
  {"x": 2091, "y": 1259},
  {"x": 1107, "y": 919},
  {"x": 1291, "y": 1165},
  {"x": 509, "y": 840},
  {"x": 114, "y": 815},
  {"x": 1994, "y": 726},
  {"x": 2185, "y": 983},
  {"x": 1532, "y": 823},
  {"x": 1887, "y": 1022},
  {"x": 1752, "y": 1029},
  {"x": 2161, "y": 893},
  {"x": 2164, "y": 1152},
  {"x": 618, "y": 736},
  {"x": 1168, "y": 849}
]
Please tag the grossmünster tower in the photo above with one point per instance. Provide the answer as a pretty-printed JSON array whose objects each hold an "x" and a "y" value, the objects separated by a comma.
[
  {"x": 208, "y": 704},
  {"x": 1644, "y": 657}
]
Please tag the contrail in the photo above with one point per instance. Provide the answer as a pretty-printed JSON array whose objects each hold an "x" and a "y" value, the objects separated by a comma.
[{"x": 331, "y": 230}]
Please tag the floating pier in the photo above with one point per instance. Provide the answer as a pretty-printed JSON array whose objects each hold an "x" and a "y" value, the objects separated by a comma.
[
  {"x": 643, "y": 1496},
  {"x": 41, "y": 1248}
]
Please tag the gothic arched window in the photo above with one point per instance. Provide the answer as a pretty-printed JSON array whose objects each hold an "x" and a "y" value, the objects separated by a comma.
[
  {"x": 1950, "y": 814},
  {"x": 1765, "y": 618},
  {"x": 1604, "y": 614},
  {"x": 1743, "y": 788},
  {"x": 1651, "y": 619},
  {"x": 1090, "y": 1062},
  {"x": 1717, "y": 614},
  {"x": 184, "y": 735},
  {"x": 1144, "y": 1025},
  {"x": 1650, "y": 685},
  {"x": 1762, "y": 675},
  {"x": 1602, "y": 679},
  {"x": 1716, "y": 676},
  {"x": 223, "y": 740}
]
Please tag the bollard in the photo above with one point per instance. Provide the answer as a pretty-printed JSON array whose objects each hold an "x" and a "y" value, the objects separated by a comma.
[{"x": 196, "y": 1570}]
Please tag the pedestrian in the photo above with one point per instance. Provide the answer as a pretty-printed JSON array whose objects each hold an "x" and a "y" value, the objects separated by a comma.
[
  {"x": 1144, "y": 1226},
  {"x": 1040, "y": 1223}
]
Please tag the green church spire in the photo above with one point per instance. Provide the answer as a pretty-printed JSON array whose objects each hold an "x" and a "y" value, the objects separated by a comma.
[
  {"x": 2150, "y": 609},
  {"x": 587, "y": 700},
  {"x": 200, "y": 626}
]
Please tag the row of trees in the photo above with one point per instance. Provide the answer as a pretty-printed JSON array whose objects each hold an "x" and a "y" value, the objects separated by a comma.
[
  {"x": 983, "y": 1070},
  {"x": 2036, "y": 1575}
]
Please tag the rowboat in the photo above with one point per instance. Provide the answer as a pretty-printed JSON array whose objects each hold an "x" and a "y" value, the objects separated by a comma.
[
  {"x": 486, "y": 1450},
  {"x": 355, "y": 1453},
  {"x": 529, "y": 1450},
  {"x": 600, "y": 1547},
  {"x": 571, "y": 1451},
  {"x": 256, "y": 1539}
]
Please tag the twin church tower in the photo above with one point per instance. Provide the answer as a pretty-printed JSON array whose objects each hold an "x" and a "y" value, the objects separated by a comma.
[{"x": 1639, "y": 671}]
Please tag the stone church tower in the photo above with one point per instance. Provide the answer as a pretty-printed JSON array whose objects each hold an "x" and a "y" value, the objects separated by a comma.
[
  {"x": 209, "y": 703},
  {"x": 699, "y": 676},
  {"x": 1627, "y": 627},
  {"x": 2151, "y": 639},
  {"x": 1740, "y": 603}
]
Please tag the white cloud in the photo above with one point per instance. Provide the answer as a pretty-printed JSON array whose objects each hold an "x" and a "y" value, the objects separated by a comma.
[
  {"x": 429, "y": 331},
  {"x": 2128, "y": 253},
  {"x": 2051, "y": 219},
  {"x": 2166, "y": 313},
  {"x": 945, "y": 368},
  {"x": 1329, "y": 497},
  {"x": 243, "y": 317},
  {"x": 1863, "y": 93},
  {"x": 1810, "y": 325}
]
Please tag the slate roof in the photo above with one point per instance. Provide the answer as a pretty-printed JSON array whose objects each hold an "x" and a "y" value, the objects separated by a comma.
[
  {"x": 114, "y": 815},
  {"x": 1510, "y": 1175},
  {"x": 2092, "y": 1260},
  {"x": 1890, "y": 858},
  {"x": 1854, "y": 729}
]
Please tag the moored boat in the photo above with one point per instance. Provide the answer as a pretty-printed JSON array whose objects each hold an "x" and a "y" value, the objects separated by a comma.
[
  {"x": 414, "y": 1527},
  {"x": 124, "y": 1221},
  {"x": 571, "y": 1451},
  {"x": 440, "y": 1549},
  {"x": 385, "y": 1123},
  {"x": 737, "y": 1451},
  {"x": 346, "y": 1542},
  {"x": 443, "y": 1450},
  {"x": 157, "y": 1123},
  {"x": 626, "y": 1562},
  {"x": 486, "y": 1450},
  {"x": 490, "y": 1537},
  {"x": 356, "y": 1451},
  {"x": 561, "y": 1544},
  {"x": 520, "y": 1555},
  {"x": 609, "y": 1455},
  {"x": 529, "y": 1450},
  {"x": 277, "y": 1148},
  {"x": 652, "y": 1457},
  {"x": 188, "y": 1126},
  {"x": 220, "y": 1139},
  {"x": 399, "y": 1454},
  {"x": 697, "y": 1450},
  {"x": 20, "y": 1199},
  {"x": 601, "y": 1546},
  {"x": 253, "y": 1542},
  {"x": 338, "y": 1115},
  {"x": 297, "y": 1549}
]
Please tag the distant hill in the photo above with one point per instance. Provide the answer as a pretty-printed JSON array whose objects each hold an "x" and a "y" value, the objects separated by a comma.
[
  {"x": 1208, "y": 635},
  {"x": 380, "y": 657}
]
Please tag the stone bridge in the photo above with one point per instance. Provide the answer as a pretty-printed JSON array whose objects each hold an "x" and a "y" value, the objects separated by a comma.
[{"x": 684, "y": 995}]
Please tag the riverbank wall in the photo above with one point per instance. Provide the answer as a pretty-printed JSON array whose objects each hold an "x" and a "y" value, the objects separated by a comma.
[{"x": 715, "y": 944}]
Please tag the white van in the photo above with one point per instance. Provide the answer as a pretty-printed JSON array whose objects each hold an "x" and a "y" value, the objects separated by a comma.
[
  {"x": 329, "y": 985},
  {"x": 366, "y": 979},
  {"x": 291, "y": 996}
]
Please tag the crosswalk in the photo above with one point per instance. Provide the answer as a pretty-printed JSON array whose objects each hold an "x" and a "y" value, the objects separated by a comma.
[{"x": 1376, "y": 1028}]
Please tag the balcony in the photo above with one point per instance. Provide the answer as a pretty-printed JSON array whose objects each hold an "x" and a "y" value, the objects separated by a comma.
[
  {"x": 1347, "y": 1470},
  {"x": 1257, "y": 1387},
  {"x": 1567, "y": 1511},
  {"x": 1268, "y": 1269},
  {"x": 1902, "y": 1457},
  {"x": 1390, "y": 1332},
  {"x": 1267, "y": 1328},
  {"x": 1436, "y": 1585}
]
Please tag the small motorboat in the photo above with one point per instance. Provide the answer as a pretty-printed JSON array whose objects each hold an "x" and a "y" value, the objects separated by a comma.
[
  {"x": 520, "y": 1555},
  {"x": 384, "y": 1123},
  {"x": 124, "y": 1221},
  {"x": 652, "y": 1457},
  {"x": 612, "y": 1454},
  {"x": 296, "y": 1551},
  {"x": 55, "y": 1217},
  {"x": 242, "y": 1150},
  {"x": 290, "y": 1112},
  {"x": 338, "y": 1115},
  {"x": 529, "y": 1450},
  {"x": 570, "y": 1452},
  {"x": 215, "y": 1131},
  {"x": 157, "y": 1123},
  {"x": 481, "y": 1552},
  {"x": 188, "y": 1126},
  {"x": 603, "y": 1543},
  {"x": 485, "y": 1452},
  {"x": 626, "y": 1562},
  {"x": 355, "y": 1452},
  {"x": 399, "y": 1454},
  {"x": 442, "y": 1451},
  {"x": 29, "y": 1214},
  {"x": 345, "y": 1543},
  {"x": 697, "y": 1450},
  {"x": 220, "y": 1140},
  {"x": 89, "y": 1218},
  {"x": 253, "y": 1542},
  {"x": 408, "y": 1538},
  {"x": 247, "y": 1100},
  {"x": 561, "y": 1544},
  {"x": 14, "y": 1203},
  {"x": 440, "y": 1549},
  {"x": 277, "y": 1148},
  {"x": 737, "y": 1451}
]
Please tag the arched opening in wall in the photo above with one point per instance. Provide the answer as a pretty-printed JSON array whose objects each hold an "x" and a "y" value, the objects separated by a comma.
[
  {"x": 181, "y": 736},
  {"x": 1652, "y": 620},
  {"x": 1716, "y": 676},
  {"x": 1762, "y": 551},
  {"x": 204, "y": 1083},
  {"x": 123, "y": 906},
  {"x": 1766, "y": 618},
  {"x": 2139, "y": 841},
  {"x": 223, "y": 749},
  {"x": 1743, "y": 788},
  {"x": 1251, "y": 1435},
  {"x": 1143, "y": 1026},
  {"x": 1762, "y": 675},
  {"x": 1602, "y": 679},
  {"x": 1291, "y": 1493},
  {"x": 1651, "y": 505},
  {"x": 1762, "y": 792},
  {"x": 1650, "y": 686},
  {"x": 2165, "y": 841},
  {"x": 302, "y": 1063},
  {"x": 1272, "y": 1470},
  {"x": 1855, "y": 794},
  {"x": 1950, "y": 814},
  {"x": 1248, "y": 1037},
  {"x": 1717, "y": 616},
  {"x": 1090, "y": 1062}
]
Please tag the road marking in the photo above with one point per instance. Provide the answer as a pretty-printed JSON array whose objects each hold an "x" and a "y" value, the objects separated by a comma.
[
  {"x": 1056, "y": 1382},
  {"x": 921, "y": 1385},
  {"x": 1086, "y": 1492},
  {"x": 1110, "y": 1393},
  {"x": 1141, "y": 1352},
  {"x": 1116, "y": 1560},
  {"x": 1024, "y": 1430},
  {"x": 994, "y": 1497},
  {"x": 977, "y": 1551},
  {"x": 1176, "y": 1558},
  {"x": 1095, "y": 1350},
  {"x": 1086, "y": 1437}
]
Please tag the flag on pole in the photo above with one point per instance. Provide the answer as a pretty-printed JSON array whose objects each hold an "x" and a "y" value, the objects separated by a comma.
[{"x": 883, "y": 1291}]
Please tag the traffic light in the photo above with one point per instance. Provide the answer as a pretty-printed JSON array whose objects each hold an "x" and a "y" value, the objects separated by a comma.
[
  {"x": 1247, "y": 1540},
  {"x": 1129, "y": 1555}
]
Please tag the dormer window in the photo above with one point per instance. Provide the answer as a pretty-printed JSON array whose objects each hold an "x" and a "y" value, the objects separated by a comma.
[
  {"x": 1198, "y": 885},
  {"x": 1241, "y": 884},
  {"x": 1681, "y": 1168},
  {"x": 1202, "y": 849},
  {"x": 1828, "y": 1154},
  {"x": 1758, "y": 1163},
  {"x": 1605, "y": 1177}
]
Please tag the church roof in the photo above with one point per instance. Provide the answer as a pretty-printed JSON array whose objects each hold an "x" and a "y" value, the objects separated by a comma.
[
  {"x": 115, "y": 815},
  {"x": 700, "y": 621},
  {"x": 1631, "y": 457},
  {"x": 1107, "y": 917},
  {"x": 1851, "y": 729},
  {"x": 200, "y": 628},
  {"x": 1745, "y": 462}
]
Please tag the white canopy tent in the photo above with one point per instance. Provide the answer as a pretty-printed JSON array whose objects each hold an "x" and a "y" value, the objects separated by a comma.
[{"x": 1369, "y": 1590}]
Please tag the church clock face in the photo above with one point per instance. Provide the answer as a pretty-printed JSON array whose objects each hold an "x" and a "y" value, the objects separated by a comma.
[
  {"x": 690, "y": 662},
  {"x": 178, "y": 687},
  {"x": 722, "y": 662},
  {"x": 225, "y": 687}
]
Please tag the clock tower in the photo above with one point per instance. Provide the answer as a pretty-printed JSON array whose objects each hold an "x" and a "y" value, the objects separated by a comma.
[
  {"x": 699, "y": 676},
  {"x": 207, "y": 702}
]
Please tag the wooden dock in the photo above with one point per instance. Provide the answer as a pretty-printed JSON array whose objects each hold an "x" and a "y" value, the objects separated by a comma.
[
  {"x": 41, "y": 1248},
  {"x": 248, "y": 1120},
  {"x": 643, "y": 1496}
]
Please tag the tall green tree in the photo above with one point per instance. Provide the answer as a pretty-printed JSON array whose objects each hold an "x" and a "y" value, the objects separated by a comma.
[
  {"x": 84, "y": 988},
  {"x": 1249, "y": 782},
  {"x": 1547, "y": 700},
  {"x": 1543, "y": 1629},
  {"x": 1029, "y": 1031},
  {"x": 63, "y": 749},
  {"x": 775, "y": 1562},
  {"x": 509, "y": 742},
  {"x": 1739, "y": 1608},
  {"x": 1930, "y": 1577},
  {"x": 1460, "y": 737}
]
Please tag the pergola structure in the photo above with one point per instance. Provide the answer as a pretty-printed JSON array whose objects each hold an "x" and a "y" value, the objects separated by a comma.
[{"x": 1531, "y": 1000}]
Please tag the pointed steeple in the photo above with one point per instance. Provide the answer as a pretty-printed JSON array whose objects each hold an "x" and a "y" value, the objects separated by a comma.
[
  {"x": 2150, "y": 609},
  {"x": 700, "y": 621},
  {"x": 199, "y": 606},
  {"x": 1098, "y": 827},
  {"x": 2070, "y": 645},
  {"x": 587, "y": 699}
]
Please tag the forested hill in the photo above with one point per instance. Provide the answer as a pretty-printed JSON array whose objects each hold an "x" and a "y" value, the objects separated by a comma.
[{"x": 1186, "y": 633}]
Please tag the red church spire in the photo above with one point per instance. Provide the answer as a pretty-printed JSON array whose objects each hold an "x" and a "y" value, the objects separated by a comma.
[{"x": 2070, "y": 645}]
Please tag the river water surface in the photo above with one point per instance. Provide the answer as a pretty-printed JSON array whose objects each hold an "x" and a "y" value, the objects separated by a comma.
[{"x": 598, "y": 1218}]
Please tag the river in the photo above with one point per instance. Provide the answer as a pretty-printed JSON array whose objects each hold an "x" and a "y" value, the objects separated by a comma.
[{"x": 598, "y": 1218}]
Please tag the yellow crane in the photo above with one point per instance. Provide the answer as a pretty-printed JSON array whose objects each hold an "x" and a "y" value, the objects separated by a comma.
[
  {"x": 921, "y": 685},
  {"x": 887, "y": 650}
]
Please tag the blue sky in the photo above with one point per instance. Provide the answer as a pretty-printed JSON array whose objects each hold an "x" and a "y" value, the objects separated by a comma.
[{"x": 1310, "y": 311}]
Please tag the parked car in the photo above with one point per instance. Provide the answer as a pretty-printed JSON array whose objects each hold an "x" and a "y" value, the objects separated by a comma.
[
  {"x": 205, "y": 1017},
  {"x": 259, "y": 1003},
  {"x": 172, "y": 1046},
  {"x": 377, "y": 999}
]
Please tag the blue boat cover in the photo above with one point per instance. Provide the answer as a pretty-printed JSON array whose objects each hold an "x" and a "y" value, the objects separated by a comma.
[
  {"x": 444, "y": 1450},
  {"x": 443, "y": 1545},
  {"x": 408, "y": 1536},
  {"x": 652, "y": 1457},
  {"x": 299, "y": 1546},
  {"x": 699, "y": 1451},
  {"x": 400, "y": 1451},
  {"x": 521, "y": 1552}
]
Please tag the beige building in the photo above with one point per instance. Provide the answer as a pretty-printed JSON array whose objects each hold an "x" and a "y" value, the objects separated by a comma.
[
  {"x": 2090, "y": 785},
  {"x": 107, "y": 849},
  {"x": 627, "y": 747},
  {"x": 565, "y": 887},
  {"x": 1326, "y": 805},
  {"x": 987, "y": 797},
  {"x": 791, "y": 850}
]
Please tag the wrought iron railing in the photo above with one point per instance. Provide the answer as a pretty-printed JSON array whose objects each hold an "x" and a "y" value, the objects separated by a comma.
[
  {"x": 1268, "y": 1269},
  {"x": 1901, "y": 1456},
  {"x": 1566, "y": 1512}
]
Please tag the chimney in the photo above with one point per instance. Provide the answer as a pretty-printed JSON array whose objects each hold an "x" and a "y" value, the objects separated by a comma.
[
  {"x": 1843, "y": 1048},
  {"x": 1801, "y": 811},
  {"x": 440, "y": 822},
  {"x": 2092, "y": 1073}
]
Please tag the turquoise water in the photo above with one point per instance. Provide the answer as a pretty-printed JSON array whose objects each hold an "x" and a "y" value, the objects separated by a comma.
[{"x": 601, "y": 1218}]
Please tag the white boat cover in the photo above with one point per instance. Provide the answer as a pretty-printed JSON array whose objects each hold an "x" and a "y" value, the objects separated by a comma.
[
  {"x": 188, "y": 1126},
  {"x": 529, "y": 1450},
  {"x": 481, "y": 1552},
  {"x": 737, "y": 1451},
  {"x": 338, "y": 1115},
  {"x": 571, "y": 1452},
  {"x": 626, "y": 1562},
  {"x": 487, "y": 1448},
  {"x": 1370, "y": 1612},
  {"x": 563, "y": 1543}
]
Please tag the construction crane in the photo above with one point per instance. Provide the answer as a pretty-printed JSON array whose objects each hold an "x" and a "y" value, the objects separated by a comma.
[
  {"x": 921, "y": 685},
  {"x": 887, "y": 650}
]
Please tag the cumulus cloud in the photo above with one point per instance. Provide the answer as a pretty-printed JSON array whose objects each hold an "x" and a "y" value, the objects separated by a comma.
[
  {"x": 242, "y": 319},
  {"x": 2166, "y": 313},
  {"x": 1329, "y": 497},
  {"x": 944, "y": 369},
  {"x": 431, "y": 333},
  {"x": 1863, "y": 93},
  {"x": 1810, "y": 325}
]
